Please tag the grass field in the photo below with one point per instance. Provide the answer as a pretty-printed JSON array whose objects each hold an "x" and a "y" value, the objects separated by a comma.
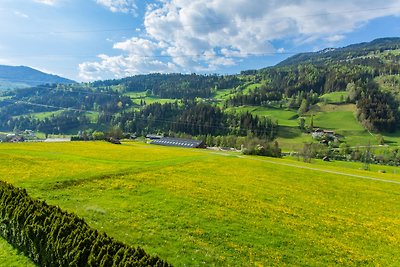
[
  {"x": 251, "y": 87},
  {"x": 10, "y": 257},
  {"x": 335, "y": 97},
  {"x": 283, "y": 116},
  {"x": 342, "y": 119},
  {"x": 338, "y": 117},
  {"x": 223, "y": 94},
  {"x": 199, "y": 207},
  {"x": 137, "y": 96},
  {"x": 92, "y": 115}
]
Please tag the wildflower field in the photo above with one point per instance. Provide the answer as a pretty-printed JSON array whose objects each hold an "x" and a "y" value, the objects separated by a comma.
[{"x": 201, "y": 207}]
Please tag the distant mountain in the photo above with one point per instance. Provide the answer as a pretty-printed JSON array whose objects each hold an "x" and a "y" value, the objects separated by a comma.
[
  {"x": 12, "y": 77},
  {"x": 350, "y": 52}
]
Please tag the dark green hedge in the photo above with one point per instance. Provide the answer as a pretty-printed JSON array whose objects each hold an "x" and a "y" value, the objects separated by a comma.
[{"x": 52, "y": 237}]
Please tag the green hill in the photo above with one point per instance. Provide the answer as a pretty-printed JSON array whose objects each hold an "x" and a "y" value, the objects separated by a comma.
[{"x": 266, "y": 103}]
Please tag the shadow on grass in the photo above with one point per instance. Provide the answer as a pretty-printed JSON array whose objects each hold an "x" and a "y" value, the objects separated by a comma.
[
  {"x": 294, "y": 117},
  {"x": 388, "y": 142},
  {"x": 289, "y": 132}
]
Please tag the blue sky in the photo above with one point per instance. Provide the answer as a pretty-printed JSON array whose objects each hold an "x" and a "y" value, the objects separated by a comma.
[{"x": 100, "y": 39}]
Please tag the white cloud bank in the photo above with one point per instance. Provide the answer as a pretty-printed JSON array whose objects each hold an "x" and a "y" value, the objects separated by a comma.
[{"x": 201, "y": 35}]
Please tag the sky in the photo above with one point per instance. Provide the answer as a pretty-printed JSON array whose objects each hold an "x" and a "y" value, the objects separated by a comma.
[{"x": 88, "y": 40}]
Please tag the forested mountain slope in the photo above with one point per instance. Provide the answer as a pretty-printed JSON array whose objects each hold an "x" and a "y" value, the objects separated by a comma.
[
  {"x": 360, "y": 69},
  {"x": 351, "y": 52},
  {"x": 367, "y": 74}
]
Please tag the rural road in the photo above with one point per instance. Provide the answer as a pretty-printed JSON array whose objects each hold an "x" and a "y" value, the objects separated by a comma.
[
  {"x": 322, "y": 170},
  {"x": 313, "y": 169}
]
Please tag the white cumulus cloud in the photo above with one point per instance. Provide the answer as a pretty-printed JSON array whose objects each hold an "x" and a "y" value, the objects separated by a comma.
[
  {"x": 206, "y": 35},
  {"x": 124, "y": 6}
]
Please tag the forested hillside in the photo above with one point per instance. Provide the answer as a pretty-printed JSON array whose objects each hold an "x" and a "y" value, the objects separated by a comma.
[
  {"x": 355, "y": 69},
  {"x": 348, "y": 53},
  {"x": 201, "y": 105},
  {"x": 178, "y": 86}
]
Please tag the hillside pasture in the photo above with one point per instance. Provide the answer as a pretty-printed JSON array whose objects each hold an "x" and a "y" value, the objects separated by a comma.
[
  {"x": 223, "y": 94},
  {"x": 250, "y": 87},
  {"x": 335, "y": 97},
  {"x": 142, "y": 96},
  {"x": 342, "y": 120},
  {"x": 150, "y": 100},
  {"x": 198, "y": 207},
  {"x": 338, "y": 117},
  {"x": 136, "y": 94},
  {"x": 392, "y": 139},
  {"x": 92, "y": 115},
  {"x": 284, "y": 117}
]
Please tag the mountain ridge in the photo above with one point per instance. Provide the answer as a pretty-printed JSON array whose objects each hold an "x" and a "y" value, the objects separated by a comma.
[
  {"x": 12, "y": 77},
  {"x": 342, "y": 53}
]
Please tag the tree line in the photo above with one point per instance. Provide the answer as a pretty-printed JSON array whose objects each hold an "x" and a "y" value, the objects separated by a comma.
[
  {"x": 376, "y": 110},
  {"x": 175, "y": 85}
]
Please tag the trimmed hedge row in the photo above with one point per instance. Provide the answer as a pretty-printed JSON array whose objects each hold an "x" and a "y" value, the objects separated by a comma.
[{"x": 52, "y": 237}]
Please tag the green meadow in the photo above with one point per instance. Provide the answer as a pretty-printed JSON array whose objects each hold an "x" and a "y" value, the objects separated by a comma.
[
  {"x": 284, "y": 117},
  {"x": 138, "y": 96},
  {"x": 201, "y": 207},
  {"x": 223, "y": 94},
  {"x": 92, "y": 115},
  {"x": 250, "y": 87},
  {"x": 335, "y": 97},
  {"x": 340, "y": 118}
]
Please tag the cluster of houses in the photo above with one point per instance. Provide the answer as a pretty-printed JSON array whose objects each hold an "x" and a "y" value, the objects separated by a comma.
[
  {"x": 28, "y": 136},
  {"x": 324, "y": 136},
  {"x": 18, "y": 137}
]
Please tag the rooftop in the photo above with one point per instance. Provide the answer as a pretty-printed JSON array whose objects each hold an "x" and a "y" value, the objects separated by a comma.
[{"x": 166, "y": 141}]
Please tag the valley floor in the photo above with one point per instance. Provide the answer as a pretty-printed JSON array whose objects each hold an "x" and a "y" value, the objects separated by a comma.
[{"x": 201, "y": 207}]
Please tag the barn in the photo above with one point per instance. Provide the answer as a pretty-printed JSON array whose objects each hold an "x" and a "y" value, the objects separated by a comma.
[{"x": 189, "y": 143}]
